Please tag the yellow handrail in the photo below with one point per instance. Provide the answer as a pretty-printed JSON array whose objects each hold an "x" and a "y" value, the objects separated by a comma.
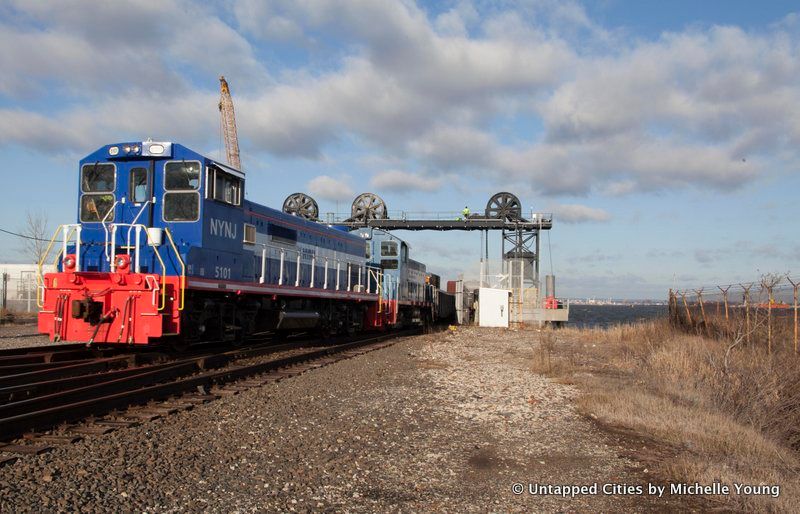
[
  {"x": 39, "y": 275},
  {"x": 183, "y": 268},
  {"x": 61, "y": 252}
]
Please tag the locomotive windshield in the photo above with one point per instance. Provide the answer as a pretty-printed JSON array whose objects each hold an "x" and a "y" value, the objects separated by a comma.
[
  {"x": 181, "y": 199},
  {"x": 97, "y": 181},
  {"x": 96, "y": 208},
  {"x": 98, "y": 178}
]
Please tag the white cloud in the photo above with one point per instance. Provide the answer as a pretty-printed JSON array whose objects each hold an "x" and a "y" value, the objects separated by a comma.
[
  {"x": 710, "y": 108},
  {"x": 403, "y": 181},
  {"x": 576, "y": 213},
  {"x": 190, "y": 119},
  {"x": 329, "y": 188},
  {"x": 90, "y": 49}
]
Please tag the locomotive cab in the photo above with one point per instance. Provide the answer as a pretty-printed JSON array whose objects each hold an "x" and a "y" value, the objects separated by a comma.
[{"x": 140, "y": 220}]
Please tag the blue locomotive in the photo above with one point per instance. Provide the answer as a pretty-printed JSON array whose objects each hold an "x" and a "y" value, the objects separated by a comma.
[{"x": 166, "y": 245}]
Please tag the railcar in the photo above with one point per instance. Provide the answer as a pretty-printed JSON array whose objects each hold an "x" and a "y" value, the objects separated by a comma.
[
  {"x": 166, "y": 247},
  {"x": 417, "y": 291}
]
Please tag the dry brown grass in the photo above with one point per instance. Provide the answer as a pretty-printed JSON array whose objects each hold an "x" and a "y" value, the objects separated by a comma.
[
  {"x": 6, "y": 316},
  {"x": 730, "y": 415}
]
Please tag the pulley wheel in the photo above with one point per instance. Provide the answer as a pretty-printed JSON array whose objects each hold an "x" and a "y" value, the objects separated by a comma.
[
  {"x": 504, "y": 206},
  {"x": 368, "y": 206},
  {"x": 302, "y": 205}
]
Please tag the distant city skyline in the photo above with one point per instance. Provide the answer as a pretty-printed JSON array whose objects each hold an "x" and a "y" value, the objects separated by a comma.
[{"x": 664, "y": 136}]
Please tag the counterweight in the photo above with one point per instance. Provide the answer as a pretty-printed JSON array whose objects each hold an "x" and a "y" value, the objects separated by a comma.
[{"x": 228, "y": 121}]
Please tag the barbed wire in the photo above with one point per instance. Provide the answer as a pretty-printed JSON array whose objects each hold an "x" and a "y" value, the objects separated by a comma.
[{"x": 708, "y": 288}]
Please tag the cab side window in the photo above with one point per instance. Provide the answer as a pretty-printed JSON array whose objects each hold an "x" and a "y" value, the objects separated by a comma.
[
  {"x": 181, "y": 196},
  {"x": 226, "y": 188}
]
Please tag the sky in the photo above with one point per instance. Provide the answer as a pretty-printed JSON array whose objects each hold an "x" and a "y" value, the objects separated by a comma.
[{"x": 663, "y": 136}]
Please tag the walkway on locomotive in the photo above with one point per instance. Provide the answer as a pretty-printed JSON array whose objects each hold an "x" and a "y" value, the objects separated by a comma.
[{"x": 222, "y": 238}]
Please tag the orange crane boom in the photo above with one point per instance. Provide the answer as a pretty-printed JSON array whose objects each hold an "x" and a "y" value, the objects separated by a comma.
[{"x": 228, "y": 121}]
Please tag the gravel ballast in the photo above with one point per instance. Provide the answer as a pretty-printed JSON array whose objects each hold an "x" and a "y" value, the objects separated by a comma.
[
  {"x": 444, "y": 422},
  {"x": 20, "y": 335}
]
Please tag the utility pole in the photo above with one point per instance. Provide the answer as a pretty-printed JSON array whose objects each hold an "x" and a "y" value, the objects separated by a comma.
[{"x": 5, "y": 289}]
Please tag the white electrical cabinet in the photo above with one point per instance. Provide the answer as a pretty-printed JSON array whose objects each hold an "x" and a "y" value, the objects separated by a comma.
[{"x": 493, "y": 307}]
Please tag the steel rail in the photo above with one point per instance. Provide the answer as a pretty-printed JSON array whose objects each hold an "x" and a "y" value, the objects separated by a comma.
[{"x": 79, "y": 369}]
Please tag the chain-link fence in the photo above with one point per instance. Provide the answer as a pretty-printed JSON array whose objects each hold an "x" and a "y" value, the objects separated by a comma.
[{"x": 762, "y": 313}]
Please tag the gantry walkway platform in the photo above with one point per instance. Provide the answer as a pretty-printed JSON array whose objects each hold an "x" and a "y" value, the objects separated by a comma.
[{"x": 543, "y": 222}]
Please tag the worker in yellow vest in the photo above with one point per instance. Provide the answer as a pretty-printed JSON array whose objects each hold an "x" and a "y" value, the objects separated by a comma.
[{"x": 465, "y": 213}]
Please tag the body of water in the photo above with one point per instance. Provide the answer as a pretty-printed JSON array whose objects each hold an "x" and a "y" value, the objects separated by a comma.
[{"x": 581, "y": 316}]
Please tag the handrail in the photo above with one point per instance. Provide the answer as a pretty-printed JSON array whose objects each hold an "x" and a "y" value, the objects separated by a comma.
[
  {"x": 183, "y": 268},
  {"x": 67, "y": 235},
  {"x": 103, "y": 223},
  {"x": 76, "y": 229},
  {"x": 135, "y": 219},
  {"x": 66, "y": 238},
  {"x": 294, "y": 259},
  {"x": 114, "y": 227}
]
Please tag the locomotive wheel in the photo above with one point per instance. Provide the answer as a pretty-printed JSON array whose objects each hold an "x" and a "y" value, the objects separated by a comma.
[
  {"x": 300, "y": 204},
  {"x": 504, "y": 206},
  {"x": 368, "y": 206}
]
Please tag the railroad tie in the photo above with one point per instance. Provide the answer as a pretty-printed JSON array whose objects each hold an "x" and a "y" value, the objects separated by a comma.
[
  {"x": 26, "y": 449},
  {"x": 279, "y": 375},
  {"x": 231, "y": 390},
  {"x": 162, "y": 410},
  {"x": 251, "y": 383},
  {"x": 6, "y": 460},
  {"x": 178, "y": 405},
  {"x": 56, "y": 439},
  {"x": 142, "y": 415},
  {"x": 199, "y": 399},
  {"x": 117, "y": 423},
  {"x": 92, "y": 430}
]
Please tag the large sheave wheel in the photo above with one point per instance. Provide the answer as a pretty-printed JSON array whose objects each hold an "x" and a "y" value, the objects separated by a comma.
[
  {"x": 504, "y": 206},
  {"x": 300, "y": 204},
  {"x": 368, "y": 206}
]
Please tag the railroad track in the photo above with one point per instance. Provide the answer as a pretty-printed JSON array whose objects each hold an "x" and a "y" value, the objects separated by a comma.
[{"x": 124, "y": 390}]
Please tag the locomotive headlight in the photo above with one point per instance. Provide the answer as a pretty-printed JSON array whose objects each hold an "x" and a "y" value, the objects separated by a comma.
[
  {"x": 114, "y": 150},
  {"x": 121, "y": 262},
  {"x": 135, "y": 149},
  {"x": 69, "y": 262},
  {"x": 127, "y": 148}
]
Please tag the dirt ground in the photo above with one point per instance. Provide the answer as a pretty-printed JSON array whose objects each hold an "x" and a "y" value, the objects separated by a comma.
[{"x": 446, "y": 422}]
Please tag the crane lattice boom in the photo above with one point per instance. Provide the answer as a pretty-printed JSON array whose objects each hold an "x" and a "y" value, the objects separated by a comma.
[{"x": 228, "y": 120}]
